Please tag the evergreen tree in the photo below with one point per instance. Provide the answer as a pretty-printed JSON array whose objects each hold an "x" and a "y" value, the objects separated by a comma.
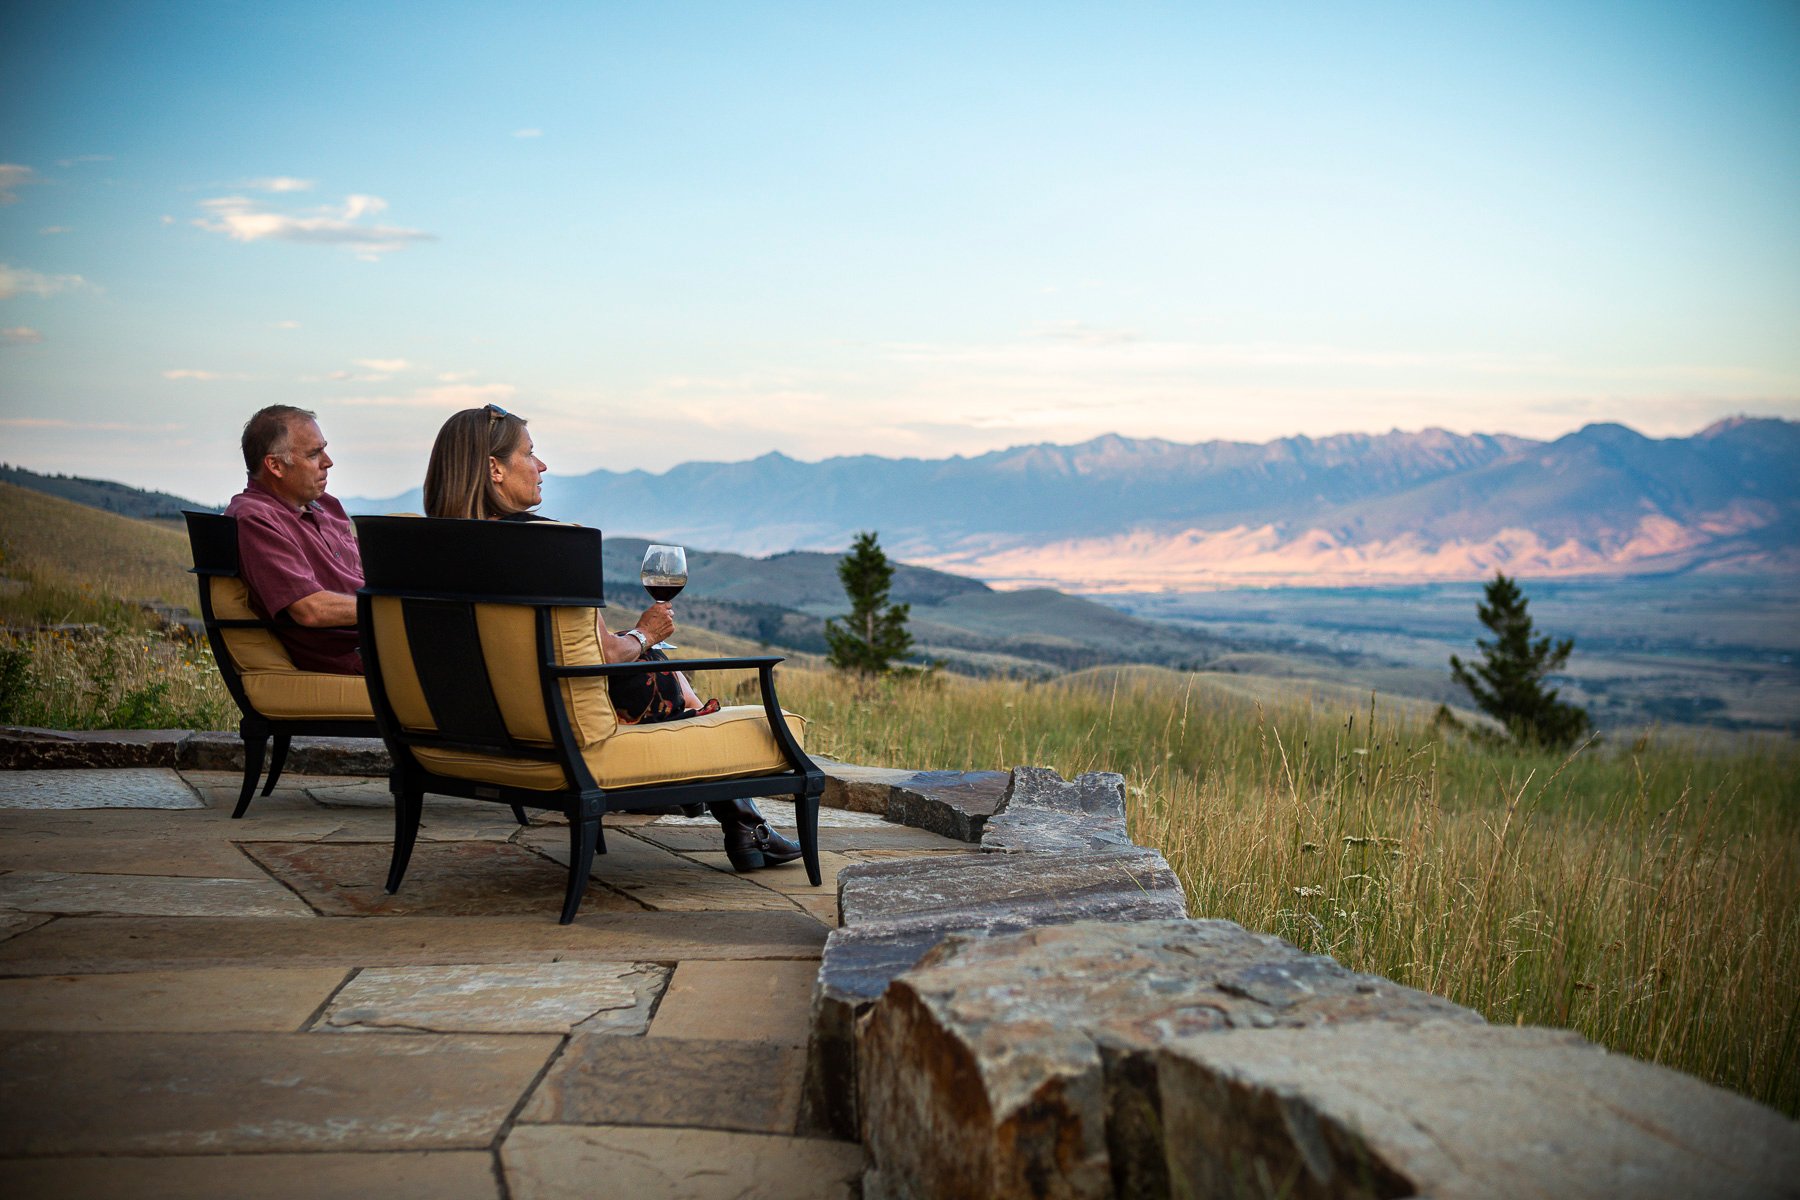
[
  {"x": 874, "y": 634},
  {"x": 1508, "y": 683}
]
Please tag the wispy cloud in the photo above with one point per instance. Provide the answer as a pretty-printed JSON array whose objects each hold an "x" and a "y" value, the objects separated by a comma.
[
  {"x": 245, "y": 220},
  {"x": 202, "y": 376},
  {"x": 284, "y": 325},
  {"x": 79, "y": 159},
  {"x": 528, "y": 133},
  {"x": 53, "y": 230},
  {"x": 20, "y": 335},
  {"x": 15, "y": 175},
  {"x": 388, "y": 365},
  {"x": 279, "y": 183},
  {"x": 20, "y": 281}
]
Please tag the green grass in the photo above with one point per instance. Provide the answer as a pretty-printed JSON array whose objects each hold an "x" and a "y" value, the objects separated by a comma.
[
  {"x": 83, "y": 566},
  {"x": 1640, "y": 891},
  {"x": 117, "y": 679}
]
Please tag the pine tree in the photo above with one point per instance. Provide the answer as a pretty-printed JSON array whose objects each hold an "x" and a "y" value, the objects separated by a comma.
[
  {"x": 1508, "y": 683},
  {"x": 874, "y": 634}
]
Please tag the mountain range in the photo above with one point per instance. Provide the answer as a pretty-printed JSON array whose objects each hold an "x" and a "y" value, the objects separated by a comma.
[{"x": 1122, "y": 514}]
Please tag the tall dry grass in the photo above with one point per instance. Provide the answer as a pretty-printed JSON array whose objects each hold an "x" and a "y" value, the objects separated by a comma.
[{"x": 1641, "y": 892}]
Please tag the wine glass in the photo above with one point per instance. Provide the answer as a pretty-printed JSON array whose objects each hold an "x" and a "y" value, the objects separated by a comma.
[{"x": 664, "y": 574}]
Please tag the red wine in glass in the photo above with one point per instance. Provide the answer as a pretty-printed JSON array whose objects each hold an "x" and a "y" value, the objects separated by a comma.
[{"x": 664, "y": 574}]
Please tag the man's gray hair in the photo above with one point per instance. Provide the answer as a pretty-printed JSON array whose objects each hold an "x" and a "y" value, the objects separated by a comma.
[{"x": 267, "y": 433}]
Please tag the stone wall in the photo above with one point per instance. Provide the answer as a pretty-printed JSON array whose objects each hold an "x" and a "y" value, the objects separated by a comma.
[{"x": 1040, "y": 1018}]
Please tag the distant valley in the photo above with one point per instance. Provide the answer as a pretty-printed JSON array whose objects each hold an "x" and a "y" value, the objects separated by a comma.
[{"x": 1143, "y": 515}]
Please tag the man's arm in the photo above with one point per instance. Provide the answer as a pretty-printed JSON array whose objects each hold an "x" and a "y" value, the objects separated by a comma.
[{"x": 324, "y": 608}]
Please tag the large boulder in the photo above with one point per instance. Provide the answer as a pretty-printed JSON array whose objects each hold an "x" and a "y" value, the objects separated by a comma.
[
  {"x": 1023, "y": 1065},
  {"x": 894, "y": 912},
  {"x": 1040, "y": 812},
  {"x": 1452, "y": 1111}
]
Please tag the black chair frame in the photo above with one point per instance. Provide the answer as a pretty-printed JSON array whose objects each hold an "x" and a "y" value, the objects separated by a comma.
[
  {"x": 440, "y": 569},
  {"x": 213, "y": 539}
]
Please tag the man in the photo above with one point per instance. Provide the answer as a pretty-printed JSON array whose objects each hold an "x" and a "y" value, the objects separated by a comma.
[{"x": 296, "y": 550}]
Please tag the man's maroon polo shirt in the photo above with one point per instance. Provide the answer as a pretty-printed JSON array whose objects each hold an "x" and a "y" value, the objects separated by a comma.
[{"x": 285, "y": 554}]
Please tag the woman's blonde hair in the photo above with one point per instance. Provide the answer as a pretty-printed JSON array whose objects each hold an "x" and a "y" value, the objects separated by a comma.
[{"x": 457, "y": 480}]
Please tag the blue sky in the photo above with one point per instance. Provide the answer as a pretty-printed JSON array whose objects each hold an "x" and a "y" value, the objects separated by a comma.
[{"x": 667, "y": 232}]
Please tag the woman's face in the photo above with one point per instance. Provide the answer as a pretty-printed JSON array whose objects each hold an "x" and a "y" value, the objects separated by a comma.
[{"x": 520, "y": 478}]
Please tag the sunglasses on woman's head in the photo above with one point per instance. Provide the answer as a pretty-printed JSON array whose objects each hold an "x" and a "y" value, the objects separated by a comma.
[{"x": 494, "y": 412}]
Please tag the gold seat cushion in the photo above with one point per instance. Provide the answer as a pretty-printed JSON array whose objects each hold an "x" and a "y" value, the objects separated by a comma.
[
  {"x": 274, "y": 686},
  {"x": 733, "y": 743},
  {"x": 311, "y": 695},
  {"x": 250, "y": 649}
]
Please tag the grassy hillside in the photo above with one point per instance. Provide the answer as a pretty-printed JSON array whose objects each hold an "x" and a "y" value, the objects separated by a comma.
[{"x": 77, "y": 563}]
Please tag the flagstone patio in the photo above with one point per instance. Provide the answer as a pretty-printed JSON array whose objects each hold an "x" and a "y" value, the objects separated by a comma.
[{"x": 194, "y": 1006}]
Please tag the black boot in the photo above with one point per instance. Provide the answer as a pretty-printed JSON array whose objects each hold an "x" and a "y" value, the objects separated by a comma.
[{"x": 749, "y": 842}]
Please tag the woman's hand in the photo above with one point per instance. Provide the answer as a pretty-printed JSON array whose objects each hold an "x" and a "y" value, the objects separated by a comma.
[{"x": 657, "y": 622}]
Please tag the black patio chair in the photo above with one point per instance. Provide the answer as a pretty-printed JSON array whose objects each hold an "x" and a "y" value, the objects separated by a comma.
[
  {"x": 488, "y": 682},
  {"x": 276, "y": 699}
]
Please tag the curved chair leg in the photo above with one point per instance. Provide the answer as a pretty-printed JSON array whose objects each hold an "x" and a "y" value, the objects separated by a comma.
[
  {"x": 806, "y": 821},
  {"x": 519, "y": 815},
  {"x": 409, "y": 803},
  {"x": 254, "y": 747},
  {"x": 277, "y": 761},
  {"x": 582, "y": 837}
]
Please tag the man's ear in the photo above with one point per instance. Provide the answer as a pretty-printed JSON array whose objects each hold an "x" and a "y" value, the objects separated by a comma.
[{"x": 273, "y": 466}]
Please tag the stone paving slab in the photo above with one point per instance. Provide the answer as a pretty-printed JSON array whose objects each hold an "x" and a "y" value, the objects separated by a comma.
[
  {"x": 284, "y": 817},
  {"x": 824, "y": 908},
  {"x": 78, "y": 945},
  {"x": 499, "y": 998},
  {"x": 112, "y": 852},
  {"x": 147, "y": 895},
  {"x": 660, "y": 880},
  {"x": 134, "y": 787},
  {"x": 789, "y": 879},
  {"x": 443, "y": 880},
  {"x": 740, "y": 1001},
  {"x": 554, "y": 1162},
  {"x": 428, "y": 1175},
  {"x": 238, "y": 999},
  {"x": 751, "y": 1087},
  {"x": 14, "y": 923},
  {"x": 490, "y": 825},
  {"x": 99, "y": 1093}
]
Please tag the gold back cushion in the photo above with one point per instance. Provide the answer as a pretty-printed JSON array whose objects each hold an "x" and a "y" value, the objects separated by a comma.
[
  {"x": 250, "y": 649},
  {"x": 509, "y": 648}
]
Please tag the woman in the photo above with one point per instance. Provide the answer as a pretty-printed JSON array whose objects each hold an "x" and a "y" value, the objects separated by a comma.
[{"x": 484, "y": 466}]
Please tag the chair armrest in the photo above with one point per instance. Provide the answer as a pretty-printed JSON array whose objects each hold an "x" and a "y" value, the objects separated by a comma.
[
  {"x": 764, "y": 666},
  {"x": 674, "y": 664}
]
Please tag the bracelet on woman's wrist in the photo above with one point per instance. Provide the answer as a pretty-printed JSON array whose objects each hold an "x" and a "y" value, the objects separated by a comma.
[{"x": 638, "y": 636}]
